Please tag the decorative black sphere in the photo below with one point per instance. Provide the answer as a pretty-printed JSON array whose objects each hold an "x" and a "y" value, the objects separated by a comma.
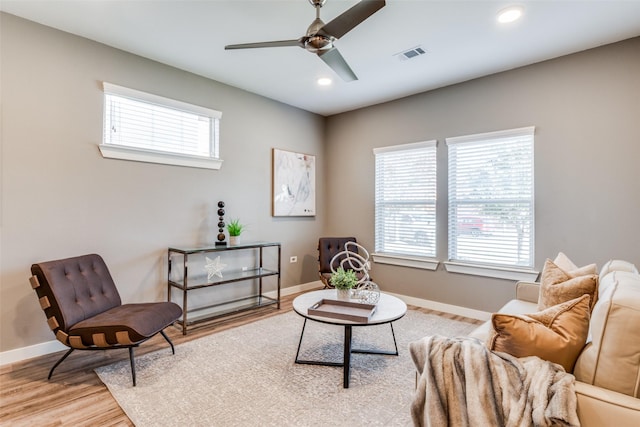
[{"x": 221, "y": 236}]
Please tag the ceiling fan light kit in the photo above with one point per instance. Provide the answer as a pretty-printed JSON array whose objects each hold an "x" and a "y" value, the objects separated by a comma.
[{"x": 320, "y": 37}]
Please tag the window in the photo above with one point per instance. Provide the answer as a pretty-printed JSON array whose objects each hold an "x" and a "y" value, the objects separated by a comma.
[
  {"x": 149, "y": 128},
  {"x": 405, "y": 204},
  {"x": 491, "y": 200}
]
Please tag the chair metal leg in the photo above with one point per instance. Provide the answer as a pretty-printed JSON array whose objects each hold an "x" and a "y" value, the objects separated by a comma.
[
  {"x": 133, "y": 366},
  {"x": 173, "y": 350},
  {"x": 59, "y": 362}
]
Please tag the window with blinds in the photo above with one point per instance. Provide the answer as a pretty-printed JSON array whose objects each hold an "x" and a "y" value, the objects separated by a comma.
[
  {"x": 491, "y": 198},
  {"x": 157, "y": 129},
  {"x": 405, "y": 199}
]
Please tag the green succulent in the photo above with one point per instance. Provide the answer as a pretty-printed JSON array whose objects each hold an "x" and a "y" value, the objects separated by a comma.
[
  {"x": 344, "y": 279},
  {"x": 234, "y": 227}
]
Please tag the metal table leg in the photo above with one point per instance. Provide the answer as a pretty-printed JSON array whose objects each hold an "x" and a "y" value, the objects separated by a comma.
[
  {"x": 348, "y": 350},
  {"x": 312, "y": 362},
  {"x": 347, "y": 356},
  {"x": 390, "y": 353}
]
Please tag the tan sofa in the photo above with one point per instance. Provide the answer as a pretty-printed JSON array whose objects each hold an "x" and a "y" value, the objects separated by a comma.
[{"x": 608, "y": 369}]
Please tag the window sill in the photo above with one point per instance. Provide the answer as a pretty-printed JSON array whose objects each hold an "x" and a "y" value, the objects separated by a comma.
[
  {"x": 406, "y": 261},
  {"x": 489, "y": 271},
  {"x": 148, "y": 156}
]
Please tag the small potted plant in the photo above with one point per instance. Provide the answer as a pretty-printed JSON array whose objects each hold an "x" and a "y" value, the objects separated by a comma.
[
  {"x": 235, "y": 229},
  {"x": 344, "y": 280}
]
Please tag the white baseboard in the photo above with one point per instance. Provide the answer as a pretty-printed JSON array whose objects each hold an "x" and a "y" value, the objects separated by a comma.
[
  {"x": 31, "y": 351},
  {"x": 53, "y": 346},
  {"x": 446, "y": 308}
]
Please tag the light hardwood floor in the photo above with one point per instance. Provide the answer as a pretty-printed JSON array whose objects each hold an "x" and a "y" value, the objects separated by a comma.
[{"x": 76, "y": 397}]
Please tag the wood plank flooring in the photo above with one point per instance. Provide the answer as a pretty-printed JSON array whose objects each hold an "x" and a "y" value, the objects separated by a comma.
[{"x": 76, "y": 397}]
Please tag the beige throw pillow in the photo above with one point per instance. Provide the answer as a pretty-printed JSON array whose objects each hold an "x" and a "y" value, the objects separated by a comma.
[
  {"x": 571, "y": 269},
  {"x": 557, "y": 286},
  {"x": 556, "y": 334}
]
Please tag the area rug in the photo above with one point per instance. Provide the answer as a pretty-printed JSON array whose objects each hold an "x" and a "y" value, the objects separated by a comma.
[{"x": 246, "y": 376}]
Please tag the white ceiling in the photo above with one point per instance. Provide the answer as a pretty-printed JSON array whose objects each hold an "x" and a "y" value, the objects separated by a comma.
[{"x": 462, "y": 39}]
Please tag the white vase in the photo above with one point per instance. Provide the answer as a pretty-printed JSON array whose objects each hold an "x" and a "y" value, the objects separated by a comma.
[
  {"x": 234, "y": 240},
  {"x": 343, "y": 294}
]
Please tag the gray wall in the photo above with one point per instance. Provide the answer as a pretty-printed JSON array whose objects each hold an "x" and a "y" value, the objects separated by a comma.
[
  {"x": 586, "y": 109},
  {"x": 61, "y": 198}
]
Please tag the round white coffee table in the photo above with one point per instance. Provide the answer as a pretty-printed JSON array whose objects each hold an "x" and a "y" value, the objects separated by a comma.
[{"x": 388, "y": 309}]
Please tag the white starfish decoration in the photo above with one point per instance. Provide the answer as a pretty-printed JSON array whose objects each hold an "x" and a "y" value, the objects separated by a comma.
[{"x": 214, "y": 267}]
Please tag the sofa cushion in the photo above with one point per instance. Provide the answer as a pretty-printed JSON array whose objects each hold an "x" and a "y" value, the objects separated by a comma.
[
  {"x": 617, "y": 265},
  {"x": 612, "y": 359},
  {"x": 557, "y": 286},
  {"x": 556, "y": 334}
]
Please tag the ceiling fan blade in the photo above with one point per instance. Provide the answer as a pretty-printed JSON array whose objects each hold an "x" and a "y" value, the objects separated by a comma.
[
  {"x": 337, "y": 63},
  {"x": 278, "y": 43},
  {"x": 348, "y": 20}
]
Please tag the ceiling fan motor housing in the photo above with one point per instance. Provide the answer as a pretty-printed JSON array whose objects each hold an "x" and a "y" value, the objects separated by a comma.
[{"x": 317, "y": 43}]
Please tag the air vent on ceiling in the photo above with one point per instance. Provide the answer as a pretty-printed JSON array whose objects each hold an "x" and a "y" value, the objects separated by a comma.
[{"x": 411, "y": 53}]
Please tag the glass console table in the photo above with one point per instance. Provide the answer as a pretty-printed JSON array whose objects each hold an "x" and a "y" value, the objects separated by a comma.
[{"x": 249, "y": 263}]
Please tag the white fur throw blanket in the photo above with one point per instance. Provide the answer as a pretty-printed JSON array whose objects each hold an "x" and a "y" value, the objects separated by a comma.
[{"x": 462, "y": 383}]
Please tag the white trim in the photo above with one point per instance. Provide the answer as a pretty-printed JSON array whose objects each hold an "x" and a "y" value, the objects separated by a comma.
[
  {"x": 445, "y": 308},
  {"x": 528, "y": 275},
  {"x": 160, "y": 100},
  {"x": 406, "y": 261},
  {"x": 525, "y": 131},
  {"x": 122, "y": 152},
  {"x": 403, "y": 147},
  {"x": 31, "y": 351}
]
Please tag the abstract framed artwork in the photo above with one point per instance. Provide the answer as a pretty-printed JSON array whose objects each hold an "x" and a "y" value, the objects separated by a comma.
[{"x": 294, "y": 184}]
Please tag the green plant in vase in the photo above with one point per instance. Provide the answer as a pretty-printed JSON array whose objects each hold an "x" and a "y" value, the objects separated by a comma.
[
  {"x": 235, "y": 229},
  {"x": 344, "y": 280}
]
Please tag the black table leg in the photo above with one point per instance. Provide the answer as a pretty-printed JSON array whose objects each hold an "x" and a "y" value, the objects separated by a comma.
[
  {"x": 347, "y": 356},
  {"x": 300, "y": 342},
  {"x": 311, "y": 362},
  {"x": 390, "y": 353},
  {"x": 348, "y": 350}
]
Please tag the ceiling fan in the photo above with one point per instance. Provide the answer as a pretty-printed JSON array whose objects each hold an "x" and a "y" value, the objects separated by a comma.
[{"x": 320, "y": 37}]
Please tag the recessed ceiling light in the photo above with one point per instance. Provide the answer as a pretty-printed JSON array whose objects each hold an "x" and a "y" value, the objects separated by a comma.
[
  {"x": 510, "y": 14},
  {"x": 324, "y": 81}
]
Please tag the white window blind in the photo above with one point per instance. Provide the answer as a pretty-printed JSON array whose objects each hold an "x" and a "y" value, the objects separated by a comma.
[
  {"x": 405, "y": 199},
  {"x": 491, "y": 198},
  {"x": 149, "y": 124}
]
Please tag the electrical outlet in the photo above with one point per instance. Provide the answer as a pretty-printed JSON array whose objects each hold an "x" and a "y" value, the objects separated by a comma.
[{"x": 293, "y": 259}]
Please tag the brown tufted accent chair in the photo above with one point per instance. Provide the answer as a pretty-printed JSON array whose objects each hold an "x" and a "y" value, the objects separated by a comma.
[
  {"x": 84, "y": 310},
  {"x": 328, "y": 247}
]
